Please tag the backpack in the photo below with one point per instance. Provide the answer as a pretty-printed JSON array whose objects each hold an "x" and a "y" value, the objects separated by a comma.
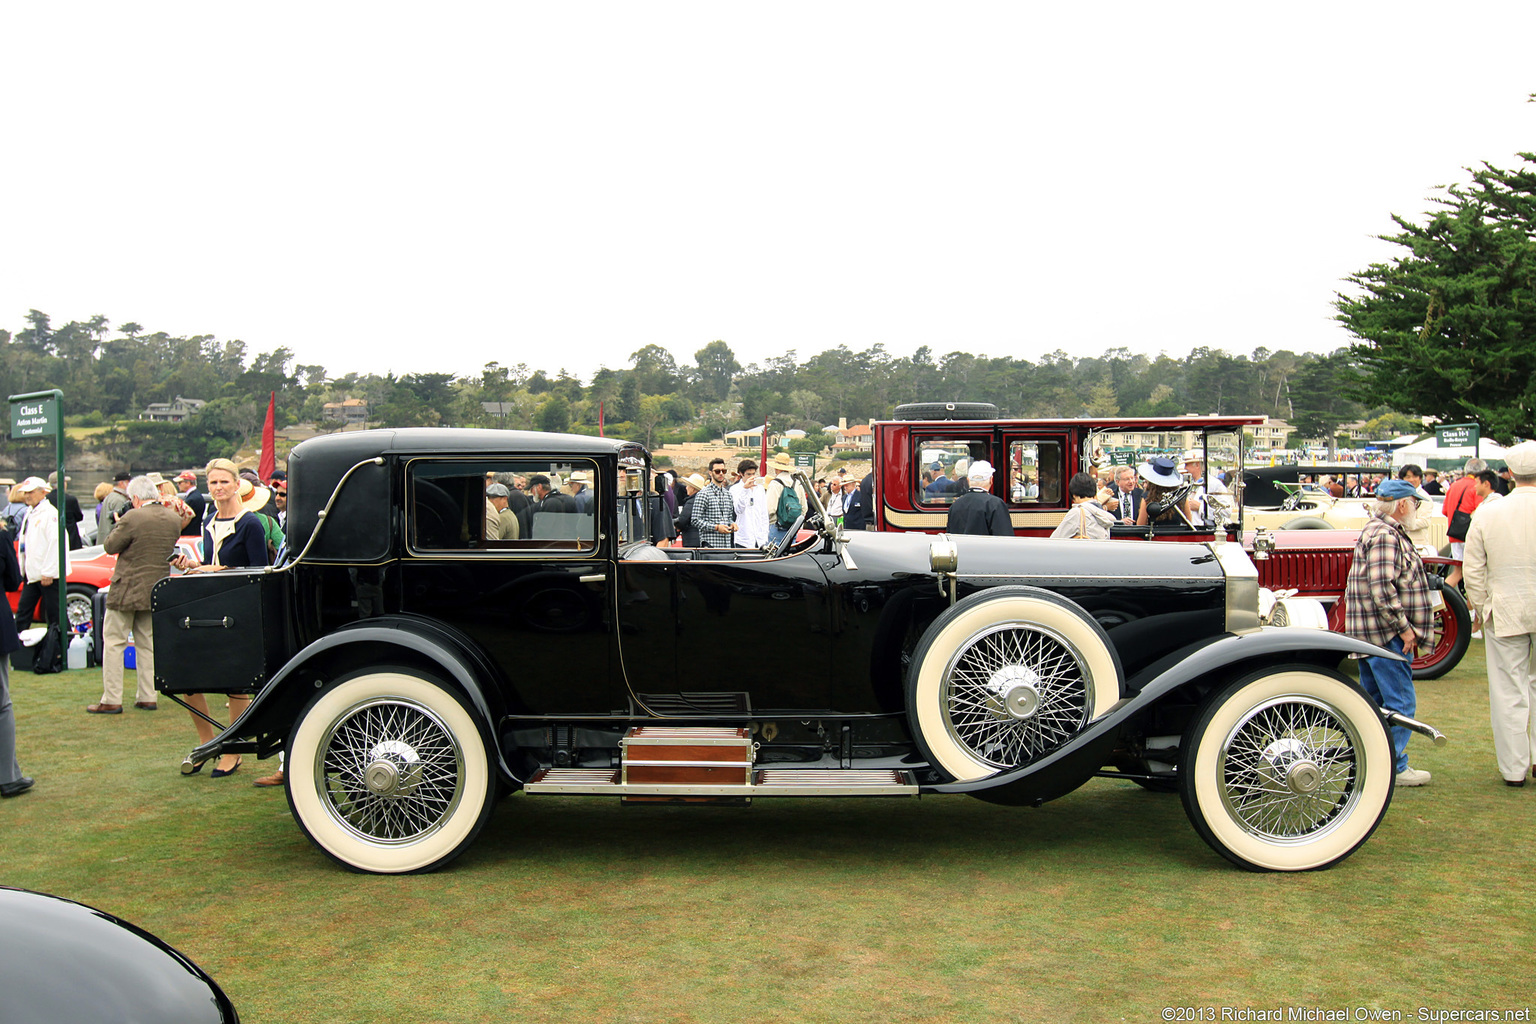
[
  {"x": 788, "y": 508},
  {"x": 48, "y": 655}
]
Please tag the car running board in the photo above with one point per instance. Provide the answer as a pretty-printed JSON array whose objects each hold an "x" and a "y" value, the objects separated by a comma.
[
  {"x": 693, "y": 764},
  {"x": 765, "y": 782}
]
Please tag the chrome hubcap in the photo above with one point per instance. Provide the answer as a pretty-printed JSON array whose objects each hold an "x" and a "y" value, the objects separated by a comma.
[
  {"x": 395, "y": 769},
  {"x": 1016, "y": 693}
]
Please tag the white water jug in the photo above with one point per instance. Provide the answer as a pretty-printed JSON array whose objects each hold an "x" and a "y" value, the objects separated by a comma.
[{"x": 77, "y": 651}]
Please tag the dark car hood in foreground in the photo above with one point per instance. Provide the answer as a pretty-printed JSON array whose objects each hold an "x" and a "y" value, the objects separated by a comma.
[{"x": 63, "y": 961}]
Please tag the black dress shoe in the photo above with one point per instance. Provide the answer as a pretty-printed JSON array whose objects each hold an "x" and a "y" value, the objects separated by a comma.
[
  {"x": 16, "y": 788},
  {"x": 1517, "y": 783}
]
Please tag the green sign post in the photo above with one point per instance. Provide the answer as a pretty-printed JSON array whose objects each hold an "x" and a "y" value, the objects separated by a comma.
[
  {"x": 1457, "y": 435},
  {"x": 41, "y": 414}
]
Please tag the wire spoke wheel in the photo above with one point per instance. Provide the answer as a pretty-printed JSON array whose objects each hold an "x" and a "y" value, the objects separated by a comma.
[
  {"x": 1005, "y": 677},
  {"x": 390, "y": 771},
  {"x": 1015, "y": 692},
  {"x": 1288, "y": 769}
]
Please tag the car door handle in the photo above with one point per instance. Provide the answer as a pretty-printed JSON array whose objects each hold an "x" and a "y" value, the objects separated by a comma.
[{"x": 601, "y": 577}]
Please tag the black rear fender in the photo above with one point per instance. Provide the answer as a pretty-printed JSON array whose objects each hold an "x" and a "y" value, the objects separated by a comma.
[{"x": 395, "y": 642}]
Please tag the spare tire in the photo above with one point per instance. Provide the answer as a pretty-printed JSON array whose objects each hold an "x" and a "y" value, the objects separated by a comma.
[
  {"x": 1309, "y": 523},
  {"x": 946, "y": 411}
]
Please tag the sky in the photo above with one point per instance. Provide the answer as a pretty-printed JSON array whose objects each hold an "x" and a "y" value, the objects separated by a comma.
[{"x": 408, "y": 188}]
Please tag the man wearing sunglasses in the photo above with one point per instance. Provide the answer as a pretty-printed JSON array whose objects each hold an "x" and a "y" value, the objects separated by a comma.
[{"x": 714, "y": 513}]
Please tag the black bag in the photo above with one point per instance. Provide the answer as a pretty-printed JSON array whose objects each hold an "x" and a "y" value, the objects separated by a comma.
[
  {"x": 48, "y": 655},
  {"x": 1461, "y": 522}
]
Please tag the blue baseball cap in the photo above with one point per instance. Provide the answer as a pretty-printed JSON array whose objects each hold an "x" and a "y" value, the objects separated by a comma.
[{"x": 1392, "y": 490}]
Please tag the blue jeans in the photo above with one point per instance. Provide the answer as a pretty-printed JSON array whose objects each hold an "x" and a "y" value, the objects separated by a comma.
[{"x": 1390, "y": 684}]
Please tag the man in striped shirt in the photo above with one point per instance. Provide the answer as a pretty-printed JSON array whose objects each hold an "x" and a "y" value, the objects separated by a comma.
[
  {"x": 714, "y": 513},
  {"x": 1387, "y": 603}
]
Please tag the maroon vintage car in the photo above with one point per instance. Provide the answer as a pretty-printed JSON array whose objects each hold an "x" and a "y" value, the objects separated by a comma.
[{"x": 919, "y": 455}]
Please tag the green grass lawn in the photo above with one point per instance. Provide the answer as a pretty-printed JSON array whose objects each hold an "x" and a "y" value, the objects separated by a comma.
[{"x": 1104, "y": 905}]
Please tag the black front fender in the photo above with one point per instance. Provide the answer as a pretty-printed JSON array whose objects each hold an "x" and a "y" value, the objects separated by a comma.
[{"x": 1219, "y": 656}]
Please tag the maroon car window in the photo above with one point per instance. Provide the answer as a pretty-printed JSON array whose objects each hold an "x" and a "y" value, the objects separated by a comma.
[
  {"x": 944, "y": 462},
  {"x": 1034, "y": 472}
]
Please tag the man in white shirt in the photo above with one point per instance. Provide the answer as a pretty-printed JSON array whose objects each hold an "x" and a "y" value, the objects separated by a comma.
[
  {"x": 749, "y": 496},
  {"x": 1194, "y": 468},
  {"x": 40, "y": 554}
]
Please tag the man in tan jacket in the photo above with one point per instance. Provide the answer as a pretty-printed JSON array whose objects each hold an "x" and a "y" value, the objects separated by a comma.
[
  {"x": 142, "y": 540},
  {"x": 1499, "y": 564}
]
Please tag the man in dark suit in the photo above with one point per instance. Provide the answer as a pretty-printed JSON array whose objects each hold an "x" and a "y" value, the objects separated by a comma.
[
  {"x": 978, "y": 510},
  {"x": 1125, "y": 503},
  {"x": 853, "y": 505}
]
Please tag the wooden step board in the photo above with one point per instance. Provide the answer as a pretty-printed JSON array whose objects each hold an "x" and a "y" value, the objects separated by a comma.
[
  {"x": 678, "y": 755},
  {"x": 765, "y": 782}
]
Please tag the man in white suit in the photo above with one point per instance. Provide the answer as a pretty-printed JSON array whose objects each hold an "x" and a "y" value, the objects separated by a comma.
[{"x": 1499, "y": 567}]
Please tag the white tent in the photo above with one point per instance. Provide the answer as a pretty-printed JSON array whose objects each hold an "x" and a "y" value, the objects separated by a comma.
[{"x": 1426, "y": 451}]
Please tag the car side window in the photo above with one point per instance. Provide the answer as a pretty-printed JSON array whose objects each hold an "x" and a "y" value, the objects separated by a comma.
[
  {"x": 501, "y": 505},
  {"x": 1035, "y": 472},
  {"x": 943, "y": 462}
]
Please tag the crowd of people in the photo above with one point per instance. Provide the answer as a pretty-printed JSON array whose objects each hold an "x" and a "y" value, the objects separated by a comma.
[
  {"x": 141, "y": 520},
  {"x": 1122, "y": 495},
  {"x": 750, "y": 506}
]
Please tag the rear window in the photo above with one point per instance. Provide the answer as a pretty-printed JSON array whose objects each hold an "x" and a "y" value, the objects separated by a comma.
[
  {"x": 944, "y": 463},
  {"x": 552, "y": 505}
]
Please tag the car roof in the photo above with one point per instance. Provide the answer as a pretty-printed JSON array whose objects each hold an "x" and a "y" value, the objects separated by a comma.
[{"x": 1109, "y": 423}]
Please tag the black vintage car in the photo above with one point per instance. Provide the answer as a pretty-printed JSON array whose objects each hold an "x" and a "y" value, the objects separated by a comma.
[
  {"x": 413, "y": 669},
  {"x": 64, "y": 961}
]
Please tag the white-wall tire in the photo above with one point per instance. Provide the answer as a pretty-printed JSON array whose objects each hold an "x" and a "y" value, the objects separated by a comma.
[
  {"x": 1006, "y": 676},
  {"x": 387, "y": 773},
  {"x": 1288, "y": 769}
]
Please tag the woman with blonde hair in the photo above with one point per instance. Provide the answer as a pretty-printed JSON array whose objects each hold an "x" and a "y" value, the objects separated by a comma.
[{"x": 232, "y": 539}]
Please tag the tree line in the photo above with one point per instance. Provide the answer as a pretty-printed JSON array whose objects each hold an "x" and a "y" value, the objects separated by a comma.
[
  {"x": 1447, "y": 328},
  {"x": 109, "y": 376}
]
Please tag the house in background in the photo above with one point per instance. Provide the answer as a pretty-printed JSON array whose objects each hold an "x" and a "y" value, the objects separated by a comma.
[
  {"x": 351, "y": 412},
  {"x": 172, "y": 412}
]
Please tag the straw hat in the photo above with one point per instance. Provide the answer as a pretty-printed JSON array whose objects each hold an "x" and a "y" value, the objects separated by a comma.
[
  {"x": 253, "y": 497},
  {"x": 782, "y": 462},
  {"x": 695, "y": 481}
]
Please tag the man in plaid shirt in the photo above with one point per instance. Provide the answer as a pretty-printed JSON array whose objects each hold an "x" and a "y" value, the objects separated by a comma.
[
  {"x": 1387, "y": 603},
  {"x": 714, "y": 513}
]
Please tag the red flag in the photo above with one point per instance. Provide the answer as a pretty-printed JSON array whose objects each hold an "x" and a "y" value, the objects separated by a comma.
[
  {"x": 268, "y": 464},
  {"x": 600, "y": 420},
  {"x": 765, "y": 447}
]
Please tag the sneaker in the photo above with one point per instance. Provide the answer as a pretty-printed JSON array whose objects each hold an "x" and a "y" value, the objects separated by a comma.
[
  {"x": 1413, "y": 777},
  {"x": 1477, "y": 634}
]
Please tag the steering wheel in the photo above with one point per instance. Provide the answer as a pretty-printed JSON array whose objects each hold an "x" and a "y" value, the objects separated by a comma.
[
  {"x": 788, "y": 540},
  {"x": 1173, "y": 499}
]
